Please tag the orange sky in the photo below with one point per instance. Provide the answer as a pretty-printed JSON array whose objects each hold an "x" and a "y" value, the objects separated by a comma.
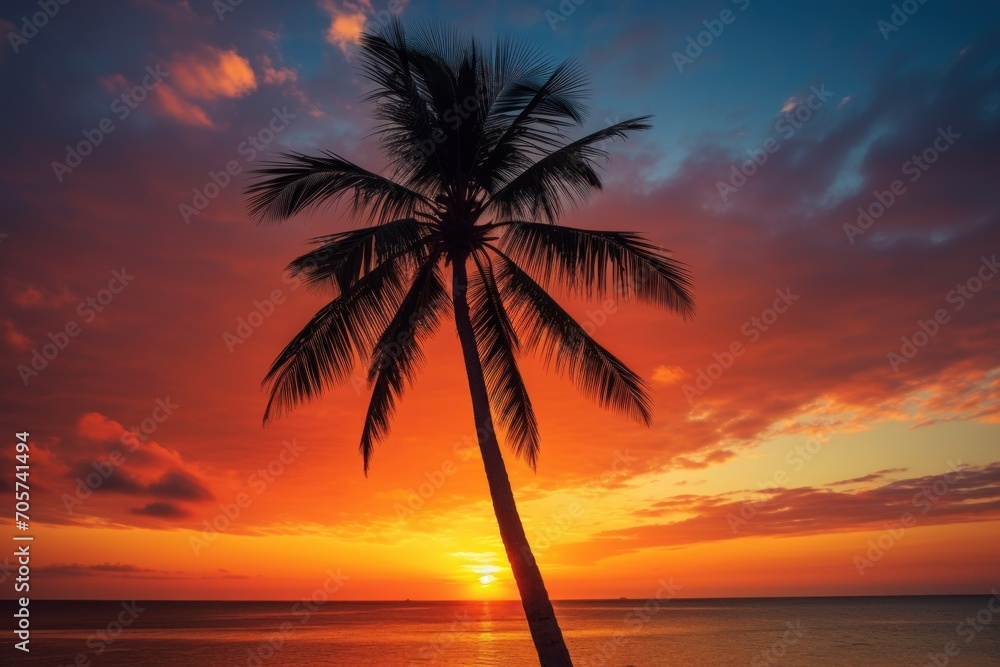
[{"x": 772, "y": 476}]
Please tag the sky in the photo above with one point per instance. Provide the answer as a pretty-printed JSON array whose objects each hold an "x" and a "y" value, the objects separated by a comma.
[{"x": 827, "y": 424}]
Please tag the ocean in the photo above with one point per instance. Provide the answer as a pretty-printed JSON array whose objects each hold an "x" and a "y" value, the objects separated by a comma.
[{"x": 937, "y": 631}]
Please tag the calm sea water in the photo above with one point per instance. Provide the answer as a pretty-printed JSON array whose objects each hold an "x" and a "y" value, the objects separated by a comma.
[{"x": 761, "y": 632}]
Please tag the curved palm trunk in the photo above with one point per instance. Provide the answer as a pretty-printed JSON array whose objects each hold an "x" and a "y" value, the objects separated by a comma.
[{"x": 545, "y": 632}]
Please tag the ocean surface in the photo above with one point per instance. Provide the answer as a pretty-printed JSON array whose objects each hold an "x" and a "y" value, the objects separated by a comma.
[{"x": 757, "y": 632}]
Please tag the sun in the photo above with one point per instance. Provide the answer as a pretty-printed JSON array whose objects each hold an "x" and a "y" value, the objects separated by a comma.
[{"x": 487, "y": 579}]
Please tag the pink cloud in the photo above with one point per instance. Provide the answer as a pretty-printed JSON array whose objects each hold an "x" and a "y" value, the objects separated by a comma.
[
  {"x": 15, "y": 338},
  {"x": 173, "y": 105},
  {"x": 272, "y": 75},
  {"x": 210, "y": 74}
]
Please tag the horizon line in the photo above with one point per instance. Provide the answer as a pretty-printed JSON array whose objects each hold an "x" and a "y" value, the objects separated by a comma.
[{"x": 618, "y": 599}]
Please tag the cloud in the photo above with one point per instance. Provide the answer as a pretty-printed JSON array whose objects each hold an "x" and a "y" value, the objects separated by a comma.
[
  {"x": 871, "y": 477},
  {"x": 173, "y": 105},
  {"x": 30, "y": 296},
  {"x": 113, "y": 460},
  {"x": 206, "y": 74},
  {"x": 347, "y": 21},
  {"x": 14, "y": 337},
  {"x": 172, "y": 485},
  {"x": 99, "y": 569},
  {"x": 97, "y": 427},
  {"x": 179, "y": 486},
  {"x": 161, "y": 510},
  {"x": 712, "y": 458},
  {"x": 210, "y": 74},
  {"x": 272, "y": 75},
  {"x": 668, "y": 374},
  {"x": 965, "y": 494},
  {"x": 127, "y": 570},
  {"x": 179, "y": 11}
]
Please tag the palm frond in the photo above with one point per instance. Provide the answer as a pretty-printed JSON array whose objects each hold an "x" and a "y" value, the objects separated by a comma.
[
  {"x": 564, "y": 345},
  {"x": 298, "y": 182},
  {"x": 526, "y": 119},
  {"x": 600, "y": 262},
  {"x": 325, "y": 351},
  {"x": 498, "y": 344},
  {"x": 569, "y": 171},
  {"x": 407, "y": 81},
  {"x": 397, "y": 353},
  {"x": 341, "y": 259}
]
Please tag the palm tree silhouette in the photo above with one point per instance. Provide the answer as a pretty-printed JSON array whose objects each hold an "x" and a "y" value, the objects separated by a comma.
[{"x": 480, "y": 173}]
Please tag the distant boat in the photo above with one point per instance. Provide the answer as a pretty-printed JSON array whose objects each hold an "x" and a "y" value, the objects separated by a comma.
[{"x": 623, "y": 598}]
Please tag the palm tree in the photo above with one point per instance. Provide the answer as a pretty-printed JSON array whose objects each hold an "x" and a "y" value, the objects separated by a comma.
[{"x": 480, "y": 173}]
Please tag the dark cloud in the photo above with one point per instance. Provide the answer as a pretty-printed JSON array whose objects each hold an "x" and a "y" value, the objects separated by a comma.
[
  {"x": 963, "y": 494},
  {"x": 870, "y": 477},
  {"x": 126, "y": 570},
  {"x": 161, "y": 510},
  {"x": 179, "y": 486},
  {"x": 172, "y": 485}
]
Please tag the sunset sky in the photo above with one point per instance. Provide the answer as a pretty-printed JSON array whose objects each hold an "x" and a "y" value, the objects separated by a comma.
[{"x": 864, "y": 395}]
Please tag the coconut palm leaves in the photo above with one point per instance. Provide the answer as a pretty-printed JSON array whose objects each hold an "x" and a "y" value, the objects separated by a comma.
[{"x": 479, "y": 167}]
